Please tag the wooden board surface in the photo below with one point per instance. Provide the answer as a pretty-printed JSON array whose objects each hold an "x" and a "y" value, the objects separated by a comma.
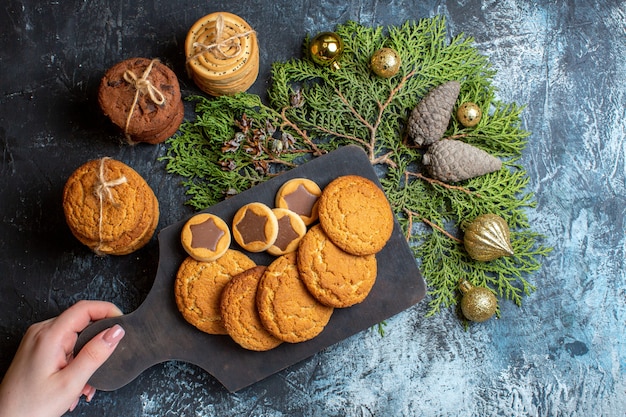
[{"x": 156, "y": 332}]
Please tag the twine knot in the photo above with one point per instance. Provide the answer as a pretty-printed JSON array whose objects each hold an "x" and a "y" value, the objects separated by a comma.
[
  {"x": 217, "y": 48},
  {"x": 103, "y": 191},
  {"x": 142, "y": 86}
]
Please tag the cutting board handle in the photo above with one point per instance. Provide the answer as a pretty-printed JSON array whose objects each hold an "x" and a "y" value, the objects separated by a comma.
[{"x": 124, "y": 365}]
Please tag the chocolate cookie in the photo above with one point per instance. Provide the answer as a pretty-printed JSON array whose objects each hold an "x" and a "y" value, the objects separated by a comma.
[
  {"x": 334, "y": 277},
  {"x": 240, "y": 315},
  {"x": 291, "y": 229},
  {"x": 205, "y": 237},
  {"x": 255, "y": 227},
  {"x": 109, "y": 207},
  {"x": 355, "y": 214},
  {"x": 286, "y": 308},
  {"x": 142, "y": 97},
  {"x": 198, "y": 288},
  {"x": 301, "y": 196}
]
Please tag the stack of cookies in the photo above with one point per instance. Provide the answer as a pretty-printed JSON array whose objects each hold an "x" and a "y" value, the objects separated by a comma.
[
  {"x": 109, "y": 207},
  {"x": 222, "y": 54},
  {"x": 331, "y": 265},
  {"x": 142, "y": 98}
]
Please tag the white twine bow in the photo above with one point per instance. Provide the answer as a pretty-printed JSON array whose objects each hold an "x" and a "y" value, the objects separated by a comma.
[
  {"x": 103, "y": 192},
  {"x": 142, "y": 86},
  {"x": 217, "y": 48}
]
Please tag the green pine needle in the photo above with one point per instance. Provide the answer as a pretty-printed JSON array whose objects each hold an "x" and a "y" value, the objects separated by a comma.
[{"x": 353, "y": 106}]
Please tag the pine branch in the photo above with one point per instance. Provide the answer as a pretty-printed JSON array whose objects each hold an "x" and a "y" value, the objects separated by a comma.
[{"x": 317, "y": 110}]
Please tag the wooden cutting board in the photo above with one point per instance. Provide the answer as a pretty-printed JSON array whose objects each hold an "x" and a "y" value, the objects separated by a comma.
[{"x": 156, "y": 331}]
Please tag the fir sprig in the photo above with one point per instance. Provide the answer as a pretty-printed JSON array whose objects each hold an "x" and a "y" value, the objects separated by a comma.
[
  {"x": 212, "y": 173},
  {"x": 323, "y": 110}
]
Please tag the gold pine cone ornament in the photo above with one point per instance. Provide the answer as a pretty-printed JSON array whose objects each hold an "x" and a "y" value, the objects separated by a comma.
[{"x": 487, "y": 238}]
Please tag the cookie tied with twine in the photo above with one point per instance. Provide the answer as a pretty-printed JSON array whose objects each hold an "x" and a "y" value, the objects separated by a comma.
[
  {"x": 109, "y": 207},
  {"x": 142, "y": 98},
  {"x": 222, "y": 54}
]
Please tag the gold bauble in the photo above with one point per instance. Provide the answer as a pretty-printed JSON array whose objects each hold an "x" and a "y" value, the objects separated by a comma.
[
  {"x": 326, "y": 49},
  {"x": 385, "y": 62},
  {"x": 487, "y": 238},
  {"x": 478, "y": 303},
  {"x": 469, "y": 114}
]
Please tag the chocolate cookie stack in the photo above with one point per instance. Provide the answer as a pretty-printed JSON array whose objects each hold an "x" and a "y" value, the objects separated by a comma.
[
  {"x": 142, "y": 97},
  {"x": 222, "y": 54}
]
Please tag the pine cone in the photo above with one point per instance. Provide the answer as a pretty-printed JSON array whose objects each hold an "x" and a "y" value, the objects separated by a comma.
[
  {"x": 429, "y": 119},
  {"x": 452, "y": 160}
]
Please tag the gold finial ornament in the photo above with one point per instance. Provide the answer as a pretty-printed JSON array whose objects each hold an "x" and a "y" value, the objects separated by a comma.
[
  {"x": 487, "y": 238},
  {"x": 478, "y": 303},
  {"x": 326, "y": 49},
  {"x": 385, "y": 62}
]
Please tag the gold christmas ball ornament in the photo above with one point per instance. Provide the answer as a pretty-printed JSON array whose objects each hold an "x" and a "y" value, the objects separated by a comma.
[
  {"x": 487, "y": 238},
  {"x": 385, "y": 62},
  {"x": 478, "y": 303},
  {"x": 326, "y": 49},
  {"x": 469, "y": 114}
]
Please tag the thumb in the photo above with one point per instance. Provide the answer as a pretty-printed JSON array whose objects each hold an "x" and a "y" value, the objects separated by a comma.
[{"x": 96, "y": 352}]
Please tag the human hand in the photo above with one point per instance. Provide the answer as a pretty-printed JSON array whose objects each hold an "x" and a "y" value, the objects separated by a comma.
[{"x": 45, "y": 379}]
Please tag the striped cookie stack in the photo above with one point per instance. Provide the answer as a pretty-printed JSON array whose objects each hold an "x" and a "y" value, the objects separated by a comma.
[{"x": 222, "y": 54}]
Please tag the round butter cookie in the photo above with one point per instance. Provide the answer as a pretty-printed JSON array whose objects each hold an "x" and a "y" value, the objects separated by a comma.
[
  {"x": 240, "y": 315},
  {"x": 301, "y": 196},
  {"x": 334, "y": 277},
  {"x": 205, "y": 237},
  {"x": 291, "y": 229},
  {"x": 356, "y": 215},
  {"x": 198, "y": 288},
  {"x": 109, "y": 207},
  {"x": 286, "y": 308},
  {"x": 255, "y": 227}
]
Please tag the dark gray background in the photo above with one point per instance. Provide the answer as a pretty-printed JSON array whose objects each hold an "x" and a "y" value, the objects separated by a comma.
[{"x": 562, "y": 353}]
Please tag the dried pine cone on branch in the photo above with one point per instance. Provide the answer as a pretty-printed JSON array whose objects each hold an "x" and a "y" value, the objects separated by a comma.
[
  {"x": 451, "y": 160},
  {"x": 429, "y": 119}
]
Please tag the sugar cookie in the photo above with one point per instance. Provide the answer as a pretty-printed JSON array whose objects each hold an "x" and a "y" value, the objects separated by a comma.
[
  {"x": 355, "y": 214},
  {"x": 286, "y": 308},
  {"x": 334, "y": 277},
  {"x": 240, "y": 315},
  {"x": 198, "y": 288}
]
